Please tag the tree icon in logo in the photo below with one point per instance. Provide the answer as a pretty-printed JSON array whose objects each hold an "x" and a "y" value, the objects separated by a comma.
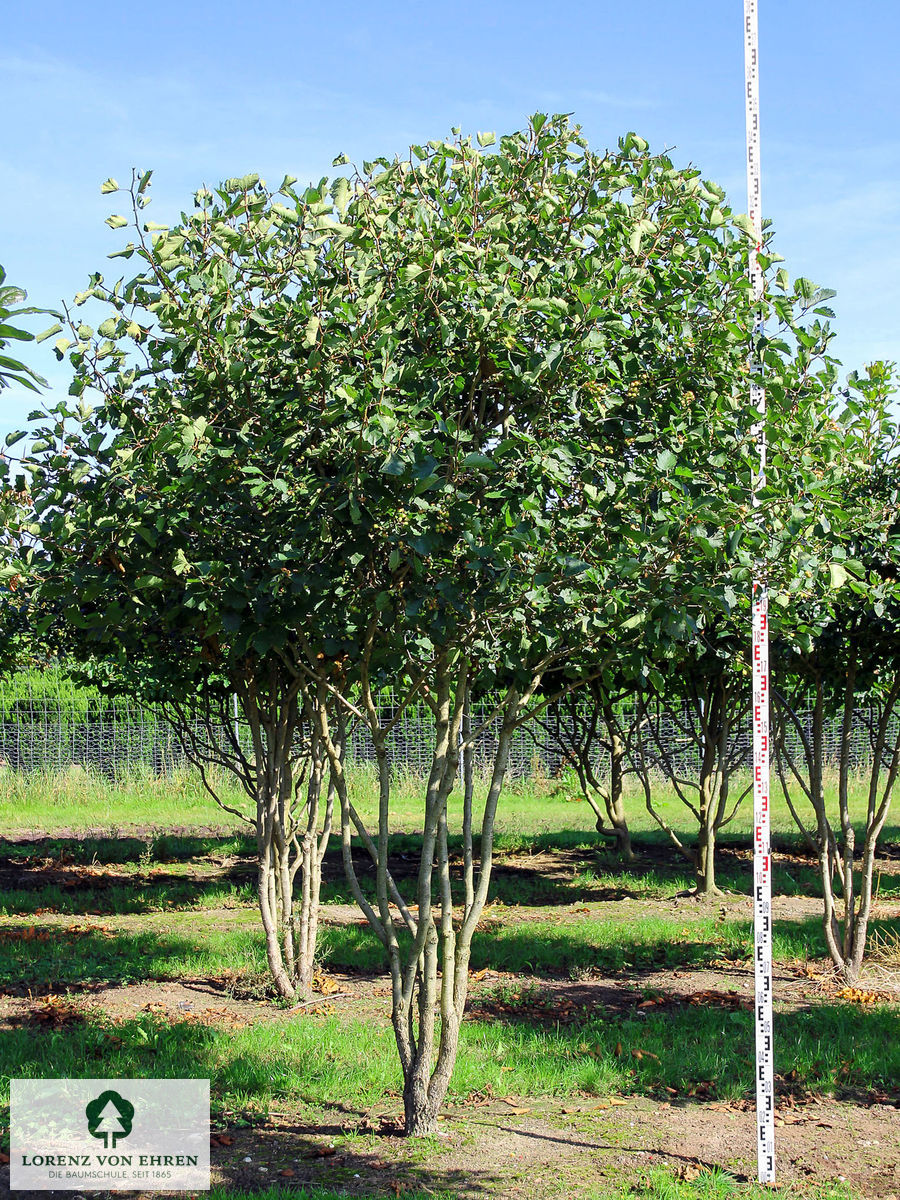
[{"x": 109, "y": 1116}]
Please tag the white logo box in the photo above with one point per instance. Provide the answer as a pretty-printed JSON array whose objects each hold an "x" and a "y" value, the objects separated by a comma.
[{"x": 109, "y": 1134}]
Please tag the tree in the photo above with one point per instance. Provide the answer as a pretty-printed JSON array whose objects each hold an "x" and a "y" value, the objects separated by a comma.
[
  {"x": 687, "y": 676},
  {"x": 11, "y": 370},
  {"x": 450, "y": 422},
  {"x": 840, "y": 648},
  {"x": 590, "y": 728},
  {"x": 17, "y": 643},
  {"x": 272, "y": 738},
  {"x": 697, "y": 714}
]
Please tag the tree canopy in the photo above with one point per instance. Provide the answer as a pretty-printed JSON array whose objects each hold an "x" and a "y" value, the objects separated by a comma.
[{"x": 451, "y": 420}]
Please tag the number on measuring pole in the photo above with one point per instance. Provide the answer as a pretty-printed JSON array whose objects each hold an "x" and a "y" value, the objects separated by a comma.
[{"x": 762, "y": 855}]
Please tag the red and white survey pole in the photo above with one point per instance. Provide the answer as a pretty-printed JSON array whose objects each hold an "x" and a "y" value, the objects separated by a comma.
[{"x": 762, "y": 857}]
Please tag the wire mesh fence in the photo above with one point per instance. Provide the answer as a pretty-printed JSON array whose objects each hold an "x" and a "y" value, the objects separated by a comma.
[{"x": 48, "y": 725}]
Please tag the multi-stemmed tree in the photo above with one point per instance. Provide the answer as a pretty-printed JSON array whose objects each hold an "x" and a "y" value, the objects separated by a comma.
[
  {"x": 839, "y": 648},
  {"x": 452, "y": 422},
  {"x": 690, "y": 736}
]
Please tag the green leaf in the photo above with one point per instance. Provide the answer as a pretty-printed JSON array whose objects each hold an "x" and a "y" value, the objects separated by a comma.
[
  {"x": 838, "y": 574},
  {"x": 48, "y": 333},
  {"x": 116, "y": 221},
  {"x": 312, "y": 330},
  {"x": 745, "y": 224},
  {"x": 340, "y": 191},
  {"x": 476, "y": 459},
  {"x": 109, "y": 185}
]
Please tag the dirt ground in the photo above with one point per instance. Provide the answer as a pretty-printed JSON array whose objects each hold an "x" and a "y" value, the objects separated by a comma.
[
  {"x": 506, "y": 1145},
  {"x": 492, "y": 1145}
]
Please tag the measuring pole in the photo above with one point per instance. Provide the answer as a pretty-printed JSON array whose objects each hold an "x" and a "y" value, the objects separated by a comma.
[{"x": 762, "y": 856}]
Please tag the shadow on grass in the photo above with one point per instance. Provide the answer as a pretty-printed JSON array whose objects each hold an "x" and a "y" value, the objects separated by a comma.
[
  {"x": 592, "y": 945},
  {"x": 587, "y": 945},
  {"x": 43, "y": 959},
  {"x": 124, "y": 875},
  {"x": 329, "y": 1078},
  {"x": 155, "y": 846},
  {"x": 71, "y": 875},
  {"x": 347, "y": 1067}
]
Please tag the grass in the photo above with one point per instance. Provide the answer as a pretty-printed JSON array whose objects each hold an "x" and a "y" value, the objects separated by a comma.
[
  {"x": 330, "y": 1061},
  {"x": 171, "y": 945},
  {"x": 83, "y": 801},
  {"x": 151, "y": 875},
  {"x": 659, "y": 1183},
  {"x": 707, "y": 1048},
  {"x": 107, "y": 852},
  {"x": 168, "y": 942},
  {"x": 54, "y": 957}
]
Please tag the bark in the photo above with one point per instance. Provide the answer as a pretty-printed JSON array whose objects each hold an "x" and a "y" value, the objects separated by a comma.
[
  {"x": 845, "y": 911},
  {"x": 714, "y": 703},
  {"x": 615, "y": 797},
  {"x": 283, "y": 774},
  {"x": 429, "y": 975}
]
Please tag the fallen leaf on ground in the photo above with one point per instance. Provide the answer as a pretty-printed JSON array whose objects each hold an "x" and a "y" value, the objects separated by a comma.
[
  {"x": 689, "y": 1171},
  {"x": 860, "y": 996},
  {"x": 56, "y": 1011}
]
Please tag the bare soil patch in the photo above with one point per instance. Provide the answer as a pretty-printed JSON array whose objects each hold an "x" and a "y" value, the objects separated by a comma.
[
  {"x": 547, "y": 1150},
  {"x": 490, "y": 1145}
]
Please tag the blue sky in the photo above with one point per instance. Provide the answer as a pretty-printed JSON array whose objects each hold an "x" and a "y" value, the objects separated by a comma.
[{"x": 203, "y": 91}]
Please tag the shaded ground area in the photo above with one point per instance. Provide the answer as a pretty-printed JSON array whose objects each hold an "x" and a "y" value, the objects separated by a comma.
[
  {"x": 536, "y": 1149},
  {"x": 493, "y": 1143},
  {"x": 95, "y": 963}
]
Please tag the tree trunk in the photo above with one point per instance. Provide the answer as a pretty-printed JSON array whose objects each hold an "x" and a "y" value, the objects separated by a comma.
[
  {"x": 266, "y": 895},
  {"x": 615, "y": 798},
  {"x": 705, "y": 872},
  {"x": 419, "y": 1111}
]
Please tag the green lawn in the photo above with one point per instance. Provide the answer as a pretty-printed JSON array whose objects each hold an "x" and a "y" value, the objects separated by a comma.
[
  {"x": 659, "y": 1183},
  {"x": 80, "y": 801},
  {"x": 333, "y": 1061},
  {"x": 827, "y": 1047},
  {"x": 131, "y": 902}
]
